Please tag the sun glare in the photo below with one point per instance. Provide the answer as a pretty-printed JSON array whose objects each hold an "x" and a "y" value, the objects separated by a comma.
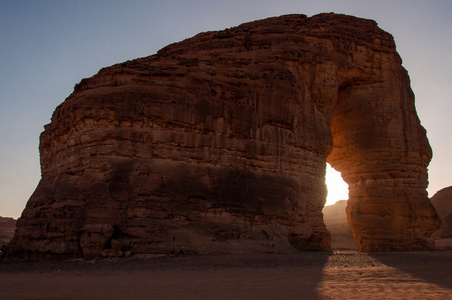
[{"x": 337, "y": 188}]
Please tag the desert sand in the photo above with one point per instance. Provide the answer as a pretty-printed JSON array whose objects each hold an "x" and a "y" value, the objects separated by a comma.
[{"x": 345, "y": 274}]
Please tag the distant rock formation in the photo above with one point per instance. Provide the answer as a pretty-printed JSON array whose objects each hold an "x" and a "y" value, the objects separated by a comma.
[
  {"x": 442, "y": 201},
  {"x": 7, "y": 228},
  {"x": 219, "y": 143},
  {"x": 336, "y": 223}
]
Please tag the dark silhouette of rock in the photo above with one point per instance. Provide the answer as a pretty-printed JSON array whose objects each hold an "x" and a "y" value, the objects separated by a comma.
[
  {"x": 442, "y": 201},
  {"x": 7, "y": 228},
  {"x": 336, "y": 223},
  {"x": 218, "y": 143}
]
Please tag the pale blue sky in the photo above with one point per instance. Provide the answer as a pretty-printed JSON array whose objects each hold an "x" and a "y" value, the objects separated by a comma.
[{"x": 46, "y": 47}]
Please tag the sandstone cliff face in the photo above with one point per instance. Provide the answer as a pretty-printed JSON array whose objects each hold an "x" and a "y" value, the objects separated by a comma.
[
  {"x": 442, "y": 201},
  {"x": 219, "y": 143}
]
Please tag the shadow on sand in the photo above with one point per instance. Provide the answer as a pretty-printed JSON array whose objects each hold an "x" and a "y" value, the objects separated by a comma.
[
  {"x": 238, "y": 276},
  {"x": 430, "y": 266}
]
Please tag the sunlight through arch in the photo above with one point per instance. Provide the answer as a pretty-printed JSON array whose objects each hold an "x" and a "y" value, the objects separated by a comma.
[{"x": 337, "y": 188}]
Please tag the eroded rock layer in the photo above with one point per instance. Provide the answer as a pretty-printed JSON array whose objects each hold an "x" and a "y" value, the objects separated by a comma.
[{"x": 218, "y": 143}]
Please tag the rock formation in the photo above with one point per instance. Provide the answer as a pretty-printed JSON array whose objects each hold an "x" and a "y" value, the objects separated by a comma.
[
  {"x": 336, "y": 223},
  {"x": 7, "y": 228},
  {"x": 442, "y": 201},
  {"x": 218, "y": 143}
]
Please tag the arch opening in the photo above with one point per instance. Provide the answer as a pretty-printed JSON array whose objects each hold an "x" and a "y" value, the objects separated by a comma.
[
  {"x": 337, "y": 188},
  {"x": 334, "y": 214}
]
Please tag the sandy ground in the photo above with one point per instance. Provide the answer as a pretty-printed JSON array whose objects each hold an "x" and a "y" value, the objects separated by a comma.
[{"x": 309, "y": 275}]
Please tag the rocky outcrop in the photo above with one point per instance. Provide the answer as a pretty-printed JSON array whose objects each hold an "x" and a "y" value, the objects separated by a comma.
[
  {"x": 336, "y": 223},
  {"x": 442, "y": 201},
  {"x": 218, "y": 143},
  {"x": 7, "y": 228}
]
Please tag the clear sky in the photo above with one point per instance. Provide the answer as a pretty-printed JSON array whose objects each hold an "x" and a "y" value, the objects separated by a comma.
[{"x": 46, "y": 47}]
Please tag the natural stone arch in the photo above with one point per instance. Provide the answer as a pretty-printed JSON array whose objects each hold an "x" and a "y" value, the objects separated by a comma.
[
  {"x": 219, "y": 144},
  {"x": 383, "y": 157}
]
